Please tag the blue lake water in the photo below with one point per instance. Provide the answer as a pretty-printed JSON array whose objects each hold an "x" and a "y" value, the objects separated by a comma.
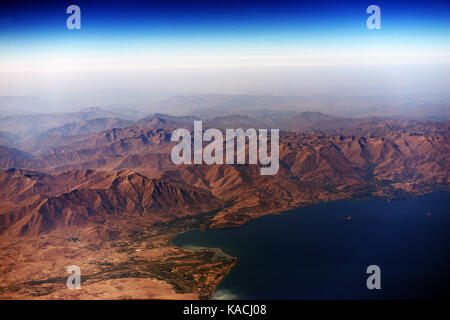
[{"x": 315, "y": 253}]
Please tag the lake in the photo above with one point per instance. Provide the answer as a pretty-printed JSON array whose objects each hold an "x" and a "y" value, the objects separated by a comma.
[{"x": 318, "y": 252}]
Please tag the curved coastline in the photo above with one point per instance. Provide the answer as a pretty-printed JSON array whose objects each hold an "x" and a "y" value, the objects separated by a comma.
[
  {"x": 217, "y": 251},
  {"x": 323, "y": 235}
]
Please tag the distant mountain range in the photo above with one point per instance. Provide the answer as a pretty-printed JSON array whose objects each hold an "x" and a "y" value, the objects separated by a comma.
[
  {"x": 380, "y": 157},
  {"x": 407, "y": 106}
]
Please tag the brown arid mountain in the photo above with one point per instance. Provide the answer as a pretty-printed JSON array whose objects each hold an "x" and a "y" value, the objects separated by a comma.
[
  {"x": 31, "y": 125},
  {"x": 57, "y": 136},
  {"x": 13, "y": 158},
  {"x": 105, "y": 150},
  {"x": 160, "y": 120},
  {"x": 40, "y": 203},
  {"x": 114, "y": 225},
  {"x": 111, "y": 201},
  {"x": 86, "y": 127},
  {"x": 7, "y": 139}
]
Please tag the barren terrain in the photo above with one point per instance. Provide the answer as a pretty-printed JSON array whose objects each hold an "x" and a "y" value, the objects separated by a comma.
[{"x": 109, "y": 199}]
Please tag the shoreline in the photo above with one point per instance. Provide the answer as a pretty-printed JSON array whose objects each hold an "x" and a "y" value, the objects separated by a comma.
[
  {"x": 408, "y": 197},
  {"x": 217, "y": 251}
]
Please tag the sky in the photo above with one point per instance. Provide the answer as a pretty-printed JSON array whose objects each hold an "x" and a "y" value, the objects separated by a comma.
[{"x": 222, "y": 46}]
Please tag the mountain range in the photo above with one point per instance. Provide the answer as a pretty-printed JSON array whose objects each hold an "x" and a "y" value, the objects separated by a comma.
[{"x": 104, "y": 186}]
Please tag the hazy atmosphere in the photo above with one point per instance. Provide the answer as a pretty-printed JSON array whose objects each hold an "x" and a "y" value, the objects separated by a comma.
[
  {"x": 224, "y": 150},
  {"x": 137, "y": 54}
]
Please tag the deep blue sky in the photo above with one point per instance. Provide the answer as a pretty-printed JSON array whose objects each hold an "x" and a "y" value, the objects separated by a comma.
[
  {"x": 223, "y": 23},
  {"x": 222, "y": 46}
]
